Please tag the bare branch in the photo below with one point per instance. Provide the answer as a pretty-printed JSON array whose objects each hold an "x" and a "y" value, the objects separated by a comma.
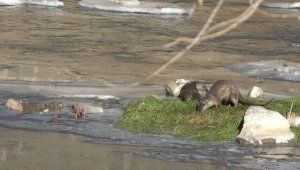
[
  {"x": 192, "y": 44},
  {"x": 206, "y": 32}
]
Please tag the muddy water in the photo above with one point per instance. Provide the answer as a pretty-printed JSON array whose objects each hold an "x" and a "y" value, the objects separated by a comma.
[{"x": 75, "y": 44}]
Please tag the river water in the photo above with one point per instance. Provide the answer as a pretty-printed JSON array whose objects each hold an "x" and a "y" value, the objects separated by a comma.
[{"x": 47, "y": 51}]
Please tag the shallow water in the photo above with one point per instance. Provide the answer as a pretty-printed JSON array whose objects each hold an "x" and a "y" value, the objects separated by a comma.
[
  {"x": 74, "y": 43},
  {"x": 44, "y": 50},
  {"x": 31, "y": 150}
]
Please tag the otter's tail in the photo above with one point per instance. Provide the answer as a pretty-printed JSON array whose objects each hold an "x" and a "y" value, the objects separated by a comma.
[{"x": 243, "y": 100}]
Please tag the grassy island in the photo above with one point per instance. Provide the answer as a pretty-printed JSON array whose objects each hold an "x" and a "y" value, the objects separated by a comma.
[{"x": 172, "y": 116}]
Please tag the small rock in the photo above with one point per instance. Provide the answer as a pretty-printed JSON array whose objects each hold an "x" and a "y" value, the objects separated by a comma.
[
  {"x": 46, "y": 111},
  {"x": 89, "y": 108},
  {"x": 262, "y": 126},
  {"x": 285, "y": 68},
  {"x": 292, "y": 118},
  {"x": 255, "y": 92},
  {"x": 12, "y": 104},
  {"x": 295, "y": 122},
  {"x": 33, "y": 107},
  {"x": 173, "y": 87}
]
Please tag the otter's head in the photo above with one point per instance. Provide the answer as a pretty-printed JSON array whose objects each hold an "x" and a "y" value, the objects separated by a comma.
[{"x": 203, "y": 105}]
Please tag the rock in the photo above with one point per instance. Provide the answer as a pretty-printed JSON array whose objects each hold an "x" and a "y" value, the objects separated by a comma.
[
  {"x": 173, "y": 87},
  {"x": 284, "y": 68},
  {"x": 262, "y": 126},
  {"x": 255, "y": 92},
  {"x": 126, "y": 3},
  {"x": 295, "y": 121},
  {"x": 89, "y": 108},
  {"x": 292, "y": 118},
  {"x": 12, "y": 104},
  {"x": 20, "y": 106}
]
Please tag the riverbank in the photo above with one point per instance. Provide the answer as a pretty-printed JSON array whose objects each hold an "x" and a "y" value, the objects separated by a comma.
[{"x": 100, "y": 132}]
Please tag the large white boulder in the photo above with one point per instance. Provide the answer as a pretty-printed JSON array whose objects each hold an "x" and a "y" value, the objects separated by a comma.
[{"x": 262, "y": 126}]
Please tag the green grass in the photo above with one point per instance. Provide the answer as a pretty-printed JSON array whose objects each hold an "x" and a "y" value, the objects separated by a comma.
[{"x": 172, "y": 116}]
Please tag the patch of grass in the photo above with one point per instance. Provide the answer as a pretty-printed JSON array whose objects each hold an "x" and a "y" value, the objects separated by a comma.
[{"x": 172, "y": 116}]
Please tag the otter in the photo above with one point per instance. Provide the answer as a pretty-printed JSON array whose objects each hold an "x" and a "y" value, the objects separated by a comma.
[
  {"x": 194, "y": 90},
  {"x": 224, "y": 92}
]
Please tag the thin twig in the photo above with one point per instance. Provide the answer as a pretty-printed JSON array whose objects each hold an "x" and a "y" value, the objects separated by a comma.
[
  {"x": 192, "y": 44},
  {"x": 289, "y": 114}
]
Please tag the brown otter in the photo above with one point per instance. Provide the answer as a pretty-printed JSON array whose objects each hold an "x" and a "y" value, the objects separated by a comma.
[
  {"x": 224, "y": 92},
  {"x": 194, "y": 90}
]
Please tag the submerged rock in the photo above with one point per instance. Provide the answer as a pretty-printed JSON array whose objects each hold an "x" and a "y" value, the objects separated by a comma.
[
  {"x": 89, "y": 108},
  {"x": 262, "y": 126},
  {"x": 255, "y": 92},
  {"x": 12, "y": 104},
  {"x": 21, "y": 106}
]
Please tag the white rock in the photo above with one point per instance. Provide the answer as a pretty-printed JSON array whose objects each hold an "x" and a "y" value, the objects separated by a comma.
[
  {"x": 262, "y": 126},
  {"x": 90, "y": 109},
  {"x": 296, "y": 121},
  {"x": 131, "y": 3},
  {"x": 255, "y": 92},
  {"x": 46, "y": 111},
  {"x": 173, "y": 87},
  {"x": 12, "y": 104},
  {"x": 293, "y": 120}
]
